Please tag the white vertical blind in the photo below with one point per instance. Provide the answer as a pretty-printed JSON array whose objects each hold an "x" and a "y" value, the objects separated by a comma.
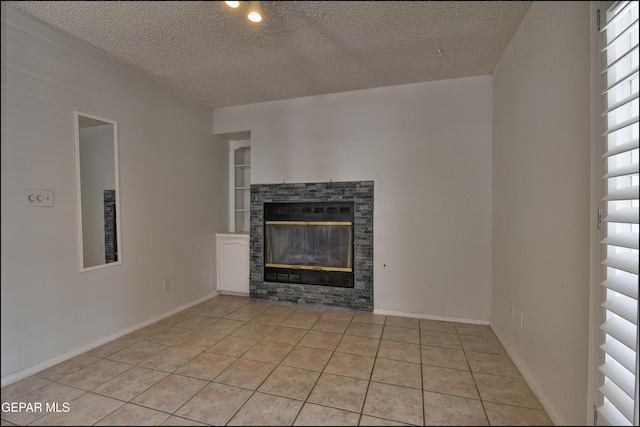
[{"x": 619, "y": 387}]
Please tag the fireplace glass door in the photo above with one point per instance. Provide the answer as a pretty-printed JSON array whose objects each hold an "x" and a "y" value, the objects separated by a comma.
[{"x": 309, "y": 245}]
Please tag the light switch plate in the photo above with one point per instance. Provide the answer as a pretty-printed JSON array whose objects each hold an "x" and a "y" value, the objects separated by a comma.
[{"x": 40, "y": 198}]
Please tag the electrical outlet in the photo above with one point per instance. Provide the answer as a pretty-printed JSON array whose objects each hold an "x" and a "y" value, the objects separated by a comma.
[{"x": 165, "y": 285}]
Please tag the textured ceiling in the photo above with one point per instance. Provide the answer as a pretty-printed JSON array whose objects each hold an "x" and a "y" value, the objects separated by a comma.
[{"x": 213, "y": 55}]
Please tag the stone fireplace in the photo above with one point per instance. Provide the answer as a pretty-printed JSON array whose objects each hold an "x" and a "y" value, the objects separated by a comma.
[{"x": 312, "y": 244}]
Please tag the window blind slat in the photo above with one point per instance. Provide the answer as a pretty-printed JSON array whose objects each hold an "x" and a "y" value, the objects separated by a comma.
[
  {"x": 620, "y": 103},
  {"x": 619, "y": 375},
  {"x": 619, "y": 399},
  {"x": 621, "y": 330},
  {"x": 626, "y": 284},
  {"x": 623, "y": 170},
  {"x": 628, "y": 215},
  {"x": 619, "y": 58},
  {"x": 621, "y": 353},
  {"x": 621, "y": 34},
  {"x": 613, "y": 19},
  {"x": 613, "y": 416},
  {"x": 630, "y": 121},
  {"x": 628, "y": 239},
  {"x": 622, "y": 148},
  {"x": 624, "y": 193},
  {"x": 624, "y": 261},
  {"x": 628, "y": 76},
  {"x": 623, "y": 306}
]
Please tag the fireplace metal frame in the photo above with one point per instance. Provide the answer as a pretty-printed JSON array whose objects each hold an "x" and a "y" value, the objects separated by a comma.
[{"x": 309, "y": 213}]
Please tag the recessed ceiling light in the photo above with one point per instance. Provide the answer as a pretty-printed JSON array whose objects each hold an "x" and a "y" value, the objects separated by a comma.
[{"x": 255, "y": 11}]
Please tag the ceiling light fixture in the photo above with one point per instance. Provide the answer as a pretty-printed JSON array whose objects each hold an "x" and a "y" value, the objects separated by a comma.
[
  {"x": 233, "y": 4},
  {"x": 255, "y": 11}
]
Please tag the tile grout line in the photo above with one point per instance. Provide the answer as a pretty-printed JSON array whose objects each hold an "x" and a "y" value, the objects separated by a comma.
[{"x": 473, "y": 377}]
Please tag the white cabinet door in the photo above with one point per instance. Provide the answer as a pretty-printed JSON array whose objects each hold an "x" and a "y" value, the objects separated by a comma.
[{"x": 233, "y": 263}]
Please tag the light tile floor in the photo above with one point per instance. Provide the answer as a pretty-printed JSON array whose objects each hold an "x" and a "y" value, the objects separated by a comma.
[{"x": 232, "y": 361}]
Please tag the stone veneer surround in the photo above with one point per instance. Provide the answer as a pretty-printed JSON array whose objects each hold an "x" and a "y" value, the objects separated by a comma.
[{"x": 360, "y": 297}]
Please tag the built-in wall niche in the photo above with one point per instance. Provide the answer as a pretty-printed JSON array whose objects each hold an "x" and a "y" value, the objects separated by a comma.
[{"x": 239, "y": 185}]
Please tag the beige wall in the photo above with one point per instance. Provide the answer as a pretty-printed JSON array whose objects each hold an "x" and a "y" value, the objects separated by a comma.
[{"x": 541, "y": 204}]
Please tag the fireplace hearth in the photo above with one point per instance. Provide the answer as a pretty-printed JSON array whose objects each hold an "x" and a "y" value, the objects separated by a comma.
[{"x": 329, "y": 262}]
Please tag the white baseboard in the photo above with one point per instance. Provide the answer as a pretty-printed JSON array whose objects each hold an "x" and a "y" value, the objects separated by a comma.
[{"x": 429, "y": 317}]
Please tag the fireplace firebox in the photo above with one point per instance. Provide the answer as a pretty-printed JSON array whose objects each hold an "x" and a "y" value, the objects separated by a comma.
[{"x": 309, "y": 243}]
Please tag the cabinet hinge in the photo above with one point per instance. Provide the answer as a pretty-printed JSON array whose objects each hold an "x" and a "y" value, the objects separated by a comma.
[
  {"x": 598, "y": 19},
  {"x": 595, "y": 415}
]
